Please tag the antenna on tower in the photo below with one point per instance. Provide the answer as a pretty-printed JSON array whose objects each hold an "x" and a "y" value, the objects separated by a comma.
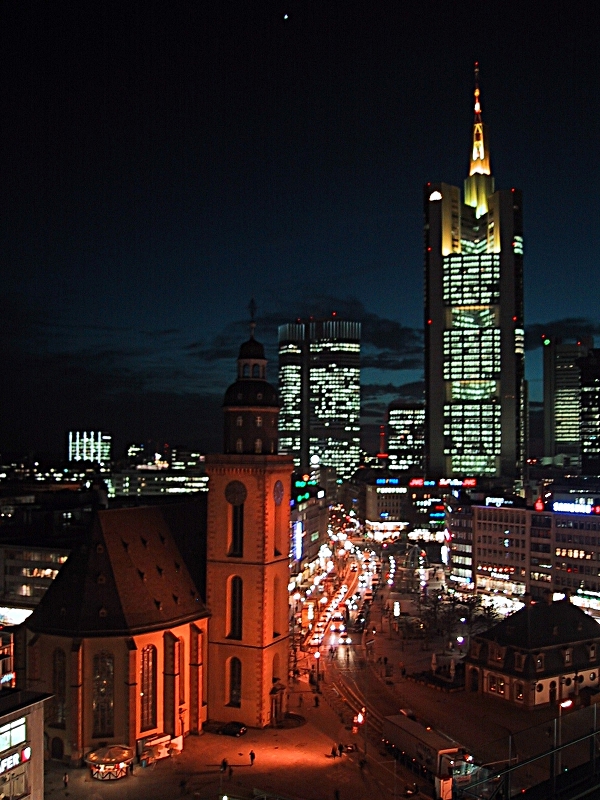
[
  {"x": 477, "y": 103},
  {"x": 252, "y": 310}
]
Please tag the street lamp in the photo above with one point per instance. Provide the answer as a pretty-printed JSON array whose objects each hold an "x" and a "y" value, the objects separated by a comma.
[
  {"x": 564, "y": 704},
  {"x": 317, "y": 657}
]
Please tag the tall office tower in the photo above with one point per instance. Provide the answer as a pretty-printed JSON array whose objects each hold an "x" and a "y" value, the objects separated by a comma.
[
  {"x": 590, "y": 413},
  {"x": 319, "y": 386},
  {"x": 562, "y": 399},
  {"x": 247, "y": 553},
  {"x": 90, "y": 446},
  {"x": 475, "y": 421},
  {"x": 406, "y": 439}
]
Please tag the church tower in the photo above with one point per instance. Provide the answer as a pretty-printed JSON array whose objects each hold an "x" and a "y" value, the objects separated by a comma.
[{"x": 248, "y": 553}]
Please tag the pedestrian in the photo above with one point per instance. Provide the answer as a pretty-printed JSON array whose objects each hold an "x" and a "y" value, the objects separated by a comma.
[
  {"x": 131, "y": 767},
  {"x": 230, "y": 773},
  {"x": 252, "y": 757},
  {"x": 347, "y": 656},
  {"x": 224, "y": 764},
  {"x": 300, "y": 701},
  {"x": 316, "y": 701},
  {"x": 336, "y": 794},
  {"x": 182, "y": 786},
  {"x": 334, "y": 751},
  {"x": 66, "y": 780},
  {"x": 340, "y": 749}
]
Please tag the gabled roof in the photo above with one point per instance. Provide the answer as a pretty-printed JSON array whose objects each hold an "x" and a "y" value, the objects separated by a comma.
[
  {"x": 128, "y": 578},
  {"x": 541, "y": 625}
]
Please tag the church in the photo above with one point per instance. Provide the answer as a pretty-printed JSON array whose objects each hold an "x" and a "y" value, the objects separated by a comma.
[{"x": 167, "y": 616}]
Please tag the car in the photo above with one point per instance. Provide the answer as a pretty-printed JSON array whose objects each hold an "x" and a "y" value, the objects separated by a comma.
[
  {"x": 408, "y": 712},
  {"x": 233, "y": 729}
]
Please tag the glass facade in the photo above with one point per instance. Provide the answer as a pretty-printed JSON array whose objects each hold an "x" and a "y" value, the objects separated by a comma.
[
  {"x": 406, "y": 439},
  {"x": 319, "y": 367}
]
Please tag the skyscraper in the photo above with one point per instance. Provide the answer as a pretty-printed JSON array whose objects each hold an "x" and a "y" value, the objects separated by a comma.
[
  {"x": 406, "y": 444},
  {"x": 590, "y": 412},
  {"x": 319, "y": 387},
  {"x": 90, "y": 446},
  {"x": 474, "y": 336},
  {"x": 562, "y": 399}
]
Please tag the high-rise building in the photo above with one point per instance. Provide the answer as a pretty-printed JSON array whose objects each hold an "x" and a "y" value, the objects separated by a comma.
[
  {"x": 90, "y": 446},
  {"x": 590, "y": 413},
  {"x": 475, "y": 421},
  {"x": 319, "y": 386},
  {"x": 562, "y": 399},
  {"x": 406, "y": 439}
]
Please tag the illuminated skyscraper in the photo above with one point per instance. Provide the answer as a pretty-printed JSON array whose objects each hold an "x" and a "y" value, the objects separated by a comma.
[
  {"x": 590, "y": 412},
  {"x": 406, "y": 439},
  {"x": 474, "y": 337},
  {"x": 90, "y": 446},
  {"x": 562, "y": 399},
  {"x": 319, "y": 389}
]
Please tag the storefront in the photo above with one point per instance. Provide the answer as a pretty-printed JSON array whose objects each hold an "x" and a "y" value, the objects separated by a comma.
[{"x": 21, "y": 745}]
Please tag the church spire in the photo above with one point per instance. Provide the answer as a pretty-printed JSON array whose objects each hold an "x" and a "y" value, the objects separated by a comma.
[{"x": 480, "y": 183}]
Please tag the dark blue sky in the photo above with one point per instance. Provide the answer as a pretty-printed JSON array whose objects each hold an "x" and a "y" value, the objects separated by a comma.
[{"x": 162, "y": 163}]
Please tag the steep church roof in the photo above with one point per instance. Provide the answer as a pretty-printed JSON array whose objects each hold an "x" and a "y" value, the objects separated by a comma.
[
  {"x": 127, "y": 578},
  {"x": 541, "y": 625}
]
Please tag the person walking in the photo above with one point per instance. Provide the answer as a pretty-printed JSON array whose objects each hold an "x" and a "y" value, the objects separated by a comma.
[
  {"x": 66, "y": 780},
  {"x": 340, "y": 749},
  {"x": 252, "y": 757},
  {"x": 224, "y": 764},
  {"x": 336, "y": 794},
  {"x": 334, "y": 752}
]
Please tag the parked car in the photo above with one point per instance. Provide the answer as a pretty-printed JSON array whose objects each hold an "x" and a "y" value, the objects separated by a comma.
[{"x": 233, "y": 729}]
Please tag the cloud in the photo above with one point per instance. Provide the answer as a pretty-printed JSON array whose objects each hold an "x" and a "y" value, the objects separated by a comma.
[
  {"x": 566, "y": 329},
  {"x": 387, "y": 360}
]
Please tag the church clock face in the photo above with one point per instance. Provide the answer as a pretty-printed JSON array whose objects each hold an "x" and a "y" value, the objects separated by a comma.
[
  {"x": 278, "y": 493},
  {"x": 235, "y": 493}
]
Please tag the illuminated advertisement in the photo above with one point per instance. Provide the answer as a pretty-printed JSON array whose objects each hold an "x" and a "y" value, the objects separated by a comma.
[
  {"x": 297, "y": 540},
  {"x": 575, "y": 508}
]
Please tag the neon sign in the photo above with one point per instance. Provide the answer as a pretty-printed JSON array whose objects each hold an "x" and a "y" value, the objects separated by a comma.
[{"x": 575, "y": 508}]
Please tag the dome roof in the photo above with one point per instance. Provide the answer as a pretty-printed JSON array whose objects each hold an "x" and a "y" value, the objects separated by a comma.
[
  {"x": 251, "y": 349},
  {"x": 249, "y": 392}
]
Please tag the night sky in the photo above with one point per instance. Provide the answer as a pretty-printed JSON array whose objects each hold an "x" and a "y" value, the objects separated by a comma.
[{"x": 164, "y": 162}]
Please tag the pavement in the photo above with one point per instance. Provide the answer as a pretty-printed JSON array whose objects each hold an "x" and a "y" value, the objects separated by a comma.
[{"x": 297, "y": 763}]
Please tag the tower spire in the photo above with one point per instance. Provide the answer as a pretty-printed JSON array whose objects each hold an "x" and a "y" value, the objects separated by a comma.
[
  {"x": 480, "y": 157},
  {"x": 252, "y": 310},
  {"x": 480, "y": 183}
]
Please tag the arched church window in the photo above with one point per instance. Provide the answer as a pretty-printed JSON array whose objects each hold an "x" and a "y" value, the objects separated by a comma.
[
  {"x": 236, "y": 600},
  {"x": 59, "y": 687},
  {"x": 239, "y": 446},
  {"x": 103, "y": 695},
  {"x": 246, "y": 371},
  {"x": 235, "y": 682},
  {"x": 235, "y": 494},
  {"x": 258, "y": 445},
  {"x": 255, "y": 371},
  {"x": 239, "y": 421},
  {"x": 148, "y": 688}
]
